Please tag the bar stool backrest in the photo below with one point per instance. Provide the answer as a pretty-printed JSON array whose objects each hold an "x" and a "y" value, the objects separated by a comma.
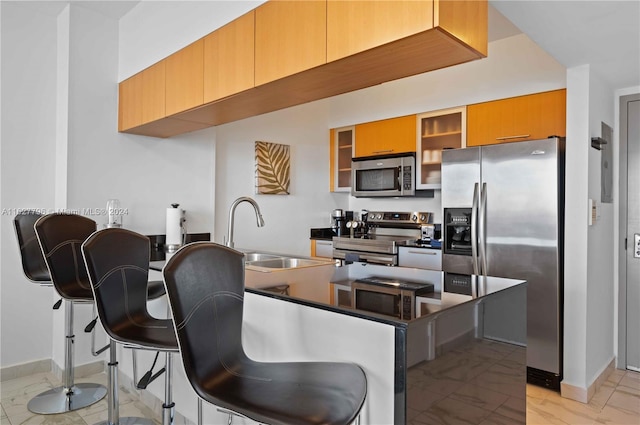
[
  {"x": 205, "y": 287},
  {"x": 33, "y": 265},
  {"x": 117, "y": 261},
  {"x": 60, "y": 237}
]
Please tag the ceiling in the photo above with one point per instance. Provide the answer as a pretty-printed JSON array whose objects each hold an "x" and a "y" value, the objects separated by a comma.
[{"x": 602, "y": 33}]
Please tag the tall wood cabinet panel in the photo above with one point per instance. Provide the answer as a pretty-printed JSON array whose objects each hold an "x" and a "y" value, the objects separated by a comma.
[
  {"x": 356, "y": 26},
  {"x": 291, "y": 36},
  {"x": 185, "y": 78},
  {"x": 130, "y": 102},
  {"x": 391, "y": 136},
  {"x": 529, "y": 117},
  {"x": 141, "y": 97},
  {"x": 229, "y": 58},
  {"x": 153, "y": 93},
  {"x": 466, "y": 20}
]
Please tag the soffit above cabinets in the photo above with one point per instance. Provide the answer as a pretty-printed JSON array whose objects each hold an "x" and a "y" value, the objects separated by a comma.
[{"x": 447, "y": 33}]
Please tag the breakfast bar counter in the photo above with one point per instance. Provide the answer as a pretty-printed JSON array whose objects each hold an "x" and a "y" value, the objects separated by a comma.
[{"x": 344, "y": 314}]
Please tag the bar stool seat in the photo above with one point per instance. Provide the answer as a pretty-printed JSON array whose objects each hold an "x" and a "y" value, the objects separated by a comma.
[
  {"x": 205, "y": 288},
  {"x": 117, "y": 262}
]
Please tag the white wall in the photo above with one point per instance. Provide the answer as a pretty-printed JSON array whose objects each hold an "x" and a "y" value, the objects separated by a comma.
[
  {"x": 589, "y": 250},
  {"x": 28, "y": 124},
  {"x": 600, "y": 257},
  {"x": 43, "y": 131}
]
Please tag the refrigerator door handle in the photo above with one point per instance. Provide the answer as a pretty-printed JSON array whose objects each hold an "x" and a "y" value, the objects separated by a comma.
[
  {"x": 482, "y": 229},
  {"x": 474, "y": 230}
]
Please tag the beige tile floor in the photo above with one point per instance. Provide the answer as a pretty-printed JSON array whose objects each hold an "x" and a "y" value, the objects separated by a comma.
[
  {"x": 16, "y": 393},
  {"x": 617, "y": 402}
]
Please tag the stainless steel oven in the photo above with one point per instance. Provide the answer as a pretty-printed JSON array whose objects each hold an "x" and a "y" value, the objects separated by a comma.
[
  {"x": 382, "y": 233},
  {"x": 383, "y": 176},
  {"x": 387, "y": 296}
]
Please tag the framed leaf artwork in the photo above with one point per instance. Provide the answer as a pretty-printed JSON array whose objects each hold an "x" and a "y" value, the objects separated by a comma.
[{"x": 272, "y": 168}]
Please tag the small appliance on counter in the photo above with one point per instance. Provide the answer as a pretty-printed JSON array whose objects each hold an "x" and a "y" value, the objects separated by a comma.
[{"x": 338, "y": 222}]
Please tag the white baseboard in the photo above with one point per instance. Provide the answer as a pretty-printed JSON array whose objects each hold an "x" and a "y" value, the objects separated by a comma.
[
  {"x": 25, "y": 369},
  {"x": 48, "y": 365},
  {"x": 582, "y": 394}
]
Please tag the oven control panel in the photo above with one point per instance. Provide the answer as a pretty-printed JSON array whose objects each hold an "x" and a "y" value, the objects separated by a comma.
[{"x": 399, "y": 219}]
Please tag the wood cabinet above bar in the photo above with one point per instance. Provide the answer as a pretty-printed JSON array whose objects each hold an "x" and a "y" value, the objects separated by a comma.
[{"x": 416, "y": 37}]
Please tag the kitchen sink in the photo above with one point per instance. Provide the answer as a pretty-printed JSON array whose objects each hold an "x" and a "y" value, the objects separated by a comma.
[
  {"x": 286, "y": 263},
  {"x": 266, "y": 262},
  {"x": 259, "y": 256}
]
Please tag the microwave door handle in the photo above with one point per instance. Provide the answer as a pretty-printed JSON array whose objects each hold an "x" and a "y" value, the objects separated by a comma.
[{"x": 474, "y": 230}]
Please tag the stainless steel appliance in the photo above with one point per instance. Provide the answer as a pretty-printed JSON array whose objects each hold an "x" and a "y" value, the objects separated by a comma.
[
  {"x": 392, "y": 175},
  {"x": 380, "y": 236},
  {"x": 504, "y": 216},
  {"x": 337, "y": 222},
  {"x": 388, "y": 296}
]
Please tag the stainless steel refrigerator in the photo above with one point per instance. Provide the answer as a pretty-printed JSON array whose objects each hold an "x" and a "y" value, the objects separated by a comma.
[{"x": 503, "y": 215}]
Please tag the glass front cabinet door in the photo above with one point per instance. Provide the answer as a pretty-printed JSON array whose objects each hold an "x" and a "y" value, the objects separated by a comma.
[
  {"x": 341, "y": 153},
  {"x": 436, "y": 131}
]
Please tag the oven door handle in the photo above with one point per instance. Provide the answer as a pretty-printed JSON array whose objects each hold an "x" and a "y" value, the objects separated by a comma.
[{"x": 365, "y": 257}]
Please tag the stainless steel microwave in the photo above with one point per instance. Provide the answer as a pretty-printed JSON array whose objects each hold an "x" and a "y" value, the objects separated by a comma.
[{"x": 393, "y": 175}]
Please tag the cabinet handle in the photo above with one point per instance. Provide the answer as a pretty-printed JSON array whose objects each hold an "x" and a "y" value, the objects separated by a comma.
[
  {"x": 323, "y": 243},
  {"x": 513, "y": 137},
  {"x": 384, "y": 151},
  {"x": 423, "y": 252}
]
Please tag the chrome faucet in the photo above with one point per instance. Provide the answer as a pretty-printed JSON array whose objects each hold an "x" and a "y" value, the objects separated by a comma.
[{"x": 232, "y": 210}]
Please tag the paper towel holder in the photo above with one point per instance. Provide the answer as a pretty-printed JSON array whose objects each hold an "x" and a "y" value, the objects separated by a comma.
[{"x": 173, "y": 247}]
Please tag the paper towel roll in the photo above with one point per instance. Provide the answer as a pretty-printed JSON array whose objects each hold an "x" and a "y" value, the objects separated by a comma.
[{"x": 174, "y": 229}]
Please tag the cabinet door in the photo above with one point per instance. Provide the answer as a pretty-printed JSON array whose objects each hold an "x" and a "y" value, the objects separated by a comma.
[
  {"x": 356, "y": 26},
  {"x": 341, "y": 146},
  {"x": 439, "y": 130},
  {"x": 229, "y": 59},
  {"x": 530, "y": 117},
  {"x": 420, "y": 258},
  {"x": 395, "y": 135},
  {"x": 320, "y": 248},
  {"x": 185, "y": 78},
  {"x": 153, "y": 93},
  {"x": 290, "y": 38},
  {"x": 130, "y": 102},
  {"x": 141, "y": 98}
]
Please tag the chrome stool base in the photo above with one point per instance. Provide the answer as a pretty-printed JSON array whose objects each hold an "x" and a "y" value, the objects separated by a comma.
[
  {"x": 129, "y": 421},
  {"x": 59, "y": 400}
]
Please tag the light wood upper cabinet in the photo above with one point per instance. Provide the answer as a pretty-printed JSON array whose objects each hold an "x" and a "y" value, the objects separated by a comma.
[
  {"x": 530, "y": 117},
  {"x": 290, "y": 38},
  {"x": 229, "y": 59},
  {"x": 185, "y": 78},
  {"x": 341, "y": 141},
  {"x": 391, "y": 136},
  {"x": 141, "y": 97},
  {"x": 356, "y": 26},
  {"x": 275, "y": 57}
]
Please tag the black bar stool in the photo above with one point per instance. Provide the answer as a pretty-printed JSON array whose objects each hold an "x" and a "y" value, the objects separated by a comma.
[
  {"x": 33, "y": 265},
  {"x": 60, "y": 237},
  {"x": 205, "y": 288},
  {"x": 117, "y": 261}
]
